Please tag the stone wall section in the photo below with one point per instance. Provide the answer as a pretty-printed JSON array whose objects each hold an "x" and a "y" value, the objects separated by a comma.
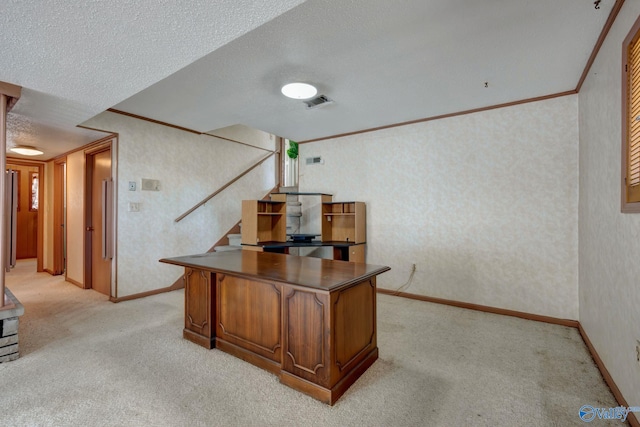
[{"x": 9, "y": 321}]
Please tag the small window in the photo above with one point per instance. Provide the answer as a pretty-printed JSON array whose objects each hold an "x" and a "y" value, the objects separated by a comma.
[
  {"x": 631, "y": 121},
  {"x": 35, "y": 191}
]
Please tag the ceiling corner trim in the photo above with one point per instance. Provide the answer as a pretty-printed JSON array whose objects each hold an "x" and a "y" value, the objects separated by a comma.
[
  {"x": 238, "y": 142},
  {"x": 444, "y": 116},
  {"x": 89, "y": 146},
  {"x": 603, "y": 35},
  {"x": 13, "y": 93},
  {"x": 10, "y": 90},
  {"x": 158, "y": 122}
]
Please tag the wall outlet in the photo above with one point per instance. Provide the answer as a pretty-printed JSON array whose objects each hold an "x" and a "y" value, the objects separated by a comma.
[{"x": 134, "y": 207}]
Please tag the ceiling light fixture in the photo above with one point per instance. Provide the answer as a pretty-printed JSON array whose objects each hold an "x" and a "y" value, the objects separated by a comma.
[
  {"x": 299, "y": 90},
  {"x": 26, "y": 150}
]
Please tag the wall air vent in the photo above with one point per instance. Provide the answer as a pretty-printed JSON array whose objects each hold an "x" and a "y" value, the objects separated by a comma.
[
  {"x": 315, "y": 160},
  {"x": 318, "y": 101}
]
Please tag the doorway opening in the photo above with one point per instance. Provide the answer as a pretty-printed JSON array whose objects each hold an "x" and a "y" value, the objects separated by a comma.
[
  {"x": 99, "y": 222},
  {"x": 30, "y": 218}
]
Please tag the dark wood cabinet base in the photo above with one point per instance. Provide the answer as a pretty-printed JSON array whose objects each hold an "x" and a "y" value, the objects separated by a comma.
[
  {"x": 310, "y": 321},
  {"x": 196, "y": 338},
  {"x": 248, "y": 356},
  {"x": 329, "y": 396}
]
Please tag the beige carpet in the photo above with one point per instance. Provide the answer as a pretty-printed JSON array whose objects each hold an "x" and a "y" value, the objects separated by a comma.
[{"x": 88, "y": 362}]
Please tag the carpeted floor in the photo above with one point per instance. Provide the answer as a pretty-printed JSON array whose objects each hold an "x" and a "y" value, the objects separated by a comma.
[{"x": 87, "y": 362}]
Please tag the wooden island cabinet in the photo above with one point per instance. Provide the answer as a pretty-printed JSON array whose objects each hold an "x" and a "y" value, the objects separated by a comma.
[{"x": 311, "y": 321}]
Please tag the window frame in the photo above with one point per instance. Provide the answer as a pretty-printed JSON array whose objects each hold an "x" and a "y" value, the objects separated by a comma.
[
  {"x": 633, "y": 37},
  {"x": 34, "y": 191}
]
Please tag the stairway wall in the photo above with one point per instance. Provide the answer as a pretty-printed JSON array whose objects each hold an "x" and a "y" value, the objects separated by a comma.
[{"x": 189, "y": 168}]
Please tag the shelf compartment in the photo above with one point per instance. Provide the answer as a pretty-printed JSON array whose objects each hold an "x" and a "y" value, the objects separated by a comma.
[
  {"x": 263, "y": 221},
  {"x": 344, "y": 222}
]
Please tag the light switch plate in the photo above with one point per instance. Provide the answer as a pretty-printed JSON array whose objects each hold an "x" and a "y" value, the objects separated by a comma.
[{"x": 132, "y": 186}]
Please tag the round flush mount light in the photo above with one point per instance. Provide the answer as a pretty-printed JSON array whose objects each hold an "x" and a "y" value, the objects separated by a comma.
[
  {"x": 299, "y": 90},
  {"x": 26, "y": 150}
]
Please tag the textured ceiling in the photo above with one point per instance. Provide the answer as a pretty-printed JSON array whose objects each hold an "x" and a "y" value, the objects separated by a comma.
[
  {"x": 76, "y": 58},
  {"x": 206, "y": 65}
]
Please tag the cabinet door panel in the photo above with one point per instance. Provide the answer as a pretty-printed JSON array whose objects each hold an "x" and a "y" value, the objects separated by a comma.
[
  {"x": 198, "y": 305},
  {"x": 355, "y": 324},
  {"x": 198, "y": 288},
  {"x": 249, "y": 315},
  {"x": 307, "y": 335}
]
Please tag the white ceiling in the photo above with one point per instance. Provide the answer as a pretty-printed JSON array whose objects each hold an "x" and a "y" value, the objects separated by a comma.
[{"x": 206, "y": 65}]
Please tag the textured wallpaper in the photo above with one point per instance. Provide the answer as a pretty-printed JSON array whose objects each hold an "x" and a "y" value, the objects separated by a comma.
[
  {"x": 189, "y": 168},
  {"x": 485, "y": 204},
  {"x": 609, "y": 240}
]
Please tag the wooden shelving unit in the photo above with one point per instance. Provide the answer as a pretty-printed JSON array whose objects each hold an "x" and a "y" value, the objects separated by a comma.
[
  {"x": 264, "y": 227},
  {"x": 263, "y": 221},
  {"x": 344, "y": 222}
]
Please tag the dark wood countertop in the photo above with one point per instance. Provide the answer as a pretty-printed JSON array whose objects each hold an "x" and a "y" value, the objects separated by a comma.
[
  {"x": 305, "y": 244},
  {"x": 317, "y": 273}
]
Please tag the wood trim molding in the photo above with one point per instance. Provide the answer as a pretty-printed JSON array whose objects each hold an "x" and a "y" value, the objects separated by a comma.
[
  {"x": 594, "y": 53},
  {"x": 239, "y": 142},
  {"x": 74, "y": 282},
  {"x": 626, "y": 207},
  {"x": 101, "y": 144},
  {"x": 158, "y": 122},
  {"x": 444, "y": 116},
  {"x": 631, "y": 418},
  {"x": 603, "y": 35},
  {"x": 179, "y": 284},
  {"x": 41, "y": 211},
  {"x": 59, "y": 219},
  {"x": 25, "y": 162},
  {"x": 11, "y": 90},
  {"x": 87, "y": 147},
  {"x": 485, "y": 308},
  {"x": 224, "y": 187}
]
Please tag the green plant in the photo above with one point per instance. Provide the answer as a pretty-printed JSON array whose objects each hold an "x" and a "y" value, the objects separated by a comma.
[{"x": 292, "y": 152}]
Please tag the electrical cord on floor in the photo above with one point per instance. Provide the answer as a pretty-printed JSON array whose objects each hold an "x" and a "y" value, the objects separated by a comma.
[{"x": 406, "y": 285}]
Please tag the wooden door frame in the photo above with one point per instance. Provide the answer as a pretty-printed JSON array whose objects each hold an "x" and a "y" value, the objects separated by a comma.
[
  {"x": 41, "y": 187},
  {"x": 88, "y": 157},
  {"x": 59, "y": 218}
]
